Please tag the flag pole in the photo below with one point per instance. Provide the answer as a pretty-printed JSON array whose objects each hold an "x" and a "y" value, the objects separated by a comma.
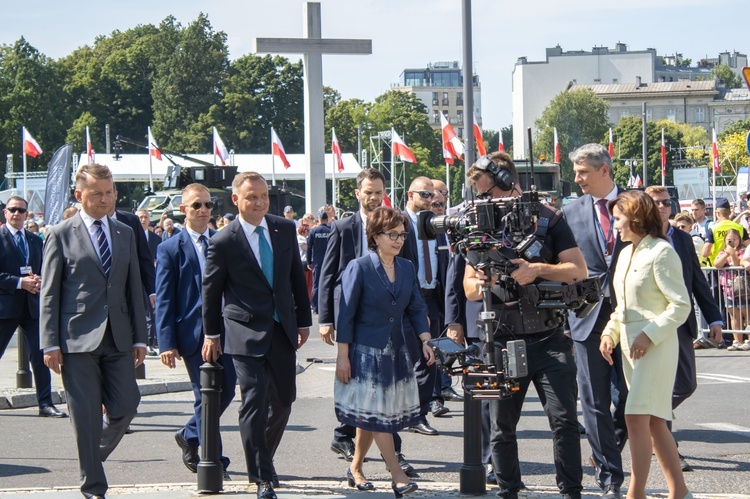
[
  {"x": 333, "y": 171},
  {"x": 214, "y": 142},
  {"x": 273, "y": 162},
  {"x": 448, "y": 185},
  {"x": 23, "y": 153},
  {"x": 393, "y": 177},
  {"x": 150, "y": 163}
]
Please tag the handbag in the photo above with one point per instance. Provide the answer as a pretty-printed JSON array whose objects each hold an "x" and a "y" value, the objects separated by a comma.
[{"x": 740, "y": 286}]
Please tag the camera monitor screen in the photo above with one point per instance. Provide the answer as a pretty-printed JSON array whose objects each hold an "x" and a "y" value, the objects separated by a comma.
[{"x": 448, "y": 346}]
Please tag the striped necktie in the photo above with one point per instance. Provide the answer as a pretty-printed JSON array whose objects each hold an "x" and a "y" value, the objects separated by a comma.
[{"x": 105, "y": 255}]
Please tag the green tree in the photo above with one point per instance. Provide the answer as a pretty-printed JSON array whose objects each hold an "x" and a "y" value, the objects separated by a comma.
[
  {"x": 733, "y": 151},
  {"x": 30, "y": 96},
  {"x": 580, "y": 117},
  {"x": 629, "y": 139},
  {"x": 726, "y": 75},
  {"x": 187, "y": 85},
  {"x": 742, "y": 127}
]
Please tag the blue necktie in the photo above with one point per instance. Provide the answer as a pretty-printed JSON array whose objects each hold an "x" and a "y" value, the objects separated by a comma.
[
  {"x": 22, "y": 246},
  {"x": 266, "y": 256},
  {"x": 203, "y": 240},
  {"x": 104, "y": 254}
]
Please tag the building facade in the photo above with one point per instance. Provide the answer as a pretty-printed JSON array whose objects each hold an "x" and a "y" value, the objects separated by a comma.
[{"x": 439, "y": 86}]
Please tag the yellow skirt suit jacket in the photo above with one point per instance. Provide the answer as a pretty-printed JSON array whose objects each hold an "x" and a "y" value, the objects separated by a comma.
[{"x": 652, "y": 298}]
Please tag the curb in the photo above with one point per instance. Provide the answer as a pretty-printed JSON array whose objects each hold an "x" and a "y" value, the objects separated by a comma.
[{"x": 26, "y": 397}]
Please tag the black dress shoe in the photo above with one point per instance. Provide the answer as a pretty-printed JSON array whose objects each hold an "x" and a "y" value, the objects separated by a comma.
[
  {"x": 225, "y": 474},
  {"x": 407, "y": 468},
  {"x": 684, "y": 465},
  {"x": 265, "y": 490},
  {"x": 275, "y": 481},
  {"x": 190, "y": 457},
  {"x": 451, "y": 394},
  {"x": 50, "y": 411},
  {"x": 491, "y": 478},
  {"x": 438, "y": 408},
  {"x": 423, "y": 427},
  {"x": 343, "y": 447},
  {"x": 405, "y": 489},
  {"x": 612, "y": 492}
]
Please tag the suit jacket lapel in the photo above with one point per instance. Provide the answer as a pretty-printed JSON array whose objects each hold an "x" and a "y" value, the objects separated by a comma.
[
  {"x": 380, "y": 272},
  {"x": 357, "y": 233},
  {"x": 118, "y": 246},
  {"x": 276, "y": 242},
  {"x": 188, "y": 249},
  {"x": 10, "y": 243},
  {"x": 79, "y": 229},
  {"x": 247, "y": 251}
]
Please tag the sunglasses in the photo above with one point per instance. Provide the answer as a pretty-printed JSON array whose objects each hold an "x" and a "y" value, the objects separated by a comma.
[
  {"x": 438, "y": 205},
  {"x": 663, "y": 202},
  {"x": 208, "y": 204},
  {"x": 16, "y": 209},
  {"x": 393, "y": 236},
  {"x": 444, "y": 192},
  {"x": 425, "y": 194}
]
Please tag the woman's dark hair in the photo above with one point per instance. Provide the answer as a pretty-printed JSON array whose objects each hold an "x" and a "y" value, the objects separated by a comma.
[
  {"x": 641, "y": 211},
  {"x": 381, "y": 220}
]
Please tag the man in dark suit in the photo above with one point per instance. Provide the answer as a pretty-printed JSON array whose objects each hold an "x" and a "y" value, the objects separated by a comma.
[
  {"x": 254, "y": 282},
  {"x": 696, "y": 283},
  {"x": 20, "y": 282},
  {"x": 430, "y": 265},
  {"x": 169, "y": 229},
  {"x": 152, "y": 242},
  {"x": 152, "y": 239},
  {"x": 600, "y": 385},
  {"x": 346, "y": 242},
  {"x": 92, "y": 321},
  {"x": 179, "y": 320}
]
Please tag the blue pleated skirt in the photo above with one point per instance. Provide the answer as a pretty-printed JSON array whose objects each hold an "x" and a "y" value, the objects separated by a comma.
[{"x": 382, "y": 395}]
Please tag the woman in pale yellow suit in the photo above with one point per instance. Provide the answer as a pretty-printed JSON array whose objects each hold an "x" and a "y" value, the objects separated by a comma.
[{"x": 652, "y": 302}]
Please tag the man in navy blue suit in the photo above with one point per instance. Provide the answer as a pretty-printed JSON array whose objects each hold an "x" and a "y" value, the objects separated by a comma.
[
  {"x": 179, "y": 319},
  {"x": 696, "y": 283},
  {"x": 20, "y": 281},
  {"x": 601, "y": 387}
]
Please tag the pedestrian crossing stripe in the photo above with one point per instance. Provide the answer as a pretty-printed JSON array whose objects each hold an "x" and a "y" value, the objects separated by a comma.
[{"x": 727, "y": 427}]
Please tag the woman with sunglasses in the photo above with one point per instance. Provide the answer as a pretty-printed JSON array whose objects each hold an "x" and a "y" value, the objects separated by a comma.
[{"x": 375, "y": 388}]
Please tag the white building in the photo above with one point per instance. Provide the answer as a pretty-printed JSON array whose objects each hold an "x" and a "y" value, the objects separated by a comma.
[{"x": 440, "y": 88}]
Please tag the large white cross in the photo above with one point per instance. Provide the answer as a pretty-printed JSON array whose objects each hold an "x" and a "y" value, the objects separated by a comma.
[{"x": 312, "y": 46}]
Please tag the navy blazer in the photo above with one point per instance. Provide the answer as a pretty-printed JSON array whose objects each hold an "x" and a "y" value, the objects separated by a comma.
[
  {"x": 410, "y": 251},
  {"x": 580, "y": 217},
  {"x": 153, "y": 242},
  {"x": 696, "y": 284},
  {"x": 236, "y": 292},
  {"x": 179, "y": 321},
  {"x": 11, "y": 261},
  {"x": 145, "y": 258},
  {"x": 372, "y": 308},
  {"x": 344, "y": 245}
]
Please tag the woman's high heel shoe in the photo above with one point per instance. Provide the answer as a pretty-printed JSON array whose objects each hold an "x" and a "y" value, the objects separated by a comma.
[
  {"x": 406, "y": 489},
  {"x": 360, "y": 486}
]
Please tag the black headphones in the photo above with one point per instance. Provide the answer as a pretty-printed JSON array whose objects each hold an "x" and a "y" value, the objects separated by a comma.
[{"x": 502, "y": 178}]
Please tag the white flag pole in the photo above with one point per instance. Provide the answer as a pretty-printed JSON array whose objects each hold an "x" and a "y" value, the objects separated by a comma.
[
  {"x": 23, "y": 153},
  {"x": 273, "y": 162}
]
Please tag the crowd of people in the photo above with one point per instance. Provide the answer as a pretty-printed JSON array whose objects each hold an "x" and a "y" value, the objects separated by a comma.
[{"x": 105, "y": 288}]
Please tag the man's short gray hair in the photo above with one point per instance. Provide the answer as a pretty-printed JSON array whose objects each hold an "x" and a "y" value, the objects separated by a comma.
[{"x": 593, "y": 155}]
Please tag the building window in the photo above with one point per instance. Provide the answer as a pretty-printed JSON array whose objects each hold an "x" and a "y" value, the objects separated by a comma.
[
  {"x": 445, "y": 98},
  {"x": 459, "y": 98},
  {"x": 460, "y": 117},
  {"x": 649, "y": 113},
  {"x": 436, "y": 117},
  {"x": 624, "y": 113},
  {"x": 460, "y": 133},
  {"x": 435, "y": 100},
  {"x": 614, "y": 80},
  {"x": 700, "y": 114},
  {"x": 672, "y": 114}
]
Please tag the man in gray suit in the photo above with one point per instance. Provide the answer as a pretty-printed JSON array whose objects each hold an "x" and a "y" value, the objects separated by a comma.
[{"x": 93, "y": 321}]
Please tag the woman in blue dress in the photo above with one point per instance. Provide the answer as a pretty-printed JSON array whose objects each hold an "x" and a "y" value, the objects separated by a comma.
[{"x": 375, "y": 388}]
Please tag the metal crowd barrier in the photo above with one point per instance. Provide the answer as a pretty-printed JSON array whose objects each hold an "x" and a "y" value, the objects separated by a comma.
[{"x": 730, "y": 287}]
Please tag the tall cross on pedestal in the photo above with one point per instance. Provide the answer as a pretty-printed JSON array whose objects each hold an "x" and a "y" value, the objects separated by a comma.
[{"x": 312, "y": 46}]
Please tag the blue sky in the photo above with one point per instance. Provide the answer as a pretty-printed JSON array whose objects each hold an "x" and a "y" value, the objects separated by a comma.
[{"x": 409, "y": 33}]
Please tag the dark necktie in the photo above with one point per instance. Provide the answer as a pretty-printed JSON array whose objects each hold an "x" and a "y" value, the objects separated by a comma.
[
  {"x": 22, "y": 246},
  {"x": 427, "y": 261},
  {"x": 203, "y": 240},
  {"x": 266, "y": 261},
  {"x": 105, "y": 255},
  {"x": 606, "y": 224}
]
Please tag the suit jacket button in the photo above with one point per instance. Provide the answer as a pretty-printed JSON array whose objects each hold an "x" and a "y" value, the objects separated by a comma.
[
  {"x": 393, "y": 302},
  {"x": 109, "y": 285},
  {"x": 105, "y": 307},
  {"x": 390, "y": 320}
]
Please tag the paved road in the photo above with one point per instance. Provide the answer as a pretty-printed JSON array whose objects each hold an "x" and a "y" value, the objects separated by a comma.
[{"x": 712, "y": 428}]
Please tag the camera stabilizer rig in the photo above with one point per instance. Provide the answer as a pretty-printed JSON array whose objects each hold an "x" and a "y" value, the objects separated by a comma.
[{"x": 488, "y": 234}]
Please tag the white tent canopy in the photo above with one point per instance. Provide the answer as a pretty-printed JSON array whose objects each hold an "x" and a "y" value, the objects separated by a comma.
[{"x": 135, "y": 167}]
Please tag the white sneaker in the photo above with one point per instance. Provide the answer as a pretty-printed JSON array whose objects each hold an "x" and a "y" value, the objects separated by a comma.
[
  {"x": 745, "y": 347},
  {"x": 735, "y": 346}
]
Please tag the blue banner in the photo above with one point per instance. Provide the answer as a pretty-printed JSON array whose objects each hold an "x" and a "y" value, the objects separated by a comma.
[{"x": 58, "y": 185}]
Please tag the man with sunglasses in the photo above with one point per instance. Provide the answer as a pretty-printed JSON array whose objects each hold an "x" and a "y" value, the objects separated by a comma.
[
  {"x": 441, "y": 197},
  {"x": 20, "y": 282},
  {"x": 550, "y": 358},
  {"x": 180, "y": 261}
]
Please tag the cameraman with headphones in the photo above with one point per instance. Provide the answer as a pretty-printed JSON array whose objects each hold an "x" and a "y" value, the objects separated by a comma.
[{"x": 549, "y": 352}]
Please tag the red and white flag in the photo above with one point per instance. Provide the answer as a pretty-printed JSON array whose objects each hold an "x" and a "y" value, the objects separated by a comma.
[
  {"x": 452, "y": 145},
  {"x": 153, "y": 147},
  {"x": 400, "y": 148},
  {"x": 500, "y": 145},
  {"x": 277, "y": 148},
  {"x": 89, "y": 147},
  {"x": 715, "y": 153},
  {"x": 336, "y": 150},
  {"x": 557, "y": 148},
  {"x": 220, "y": 149},
  {"x": 30, "y": 146},
  {"x": 663, "y": 158},
  {"x": 479, "y": 139},
  {"x": 638, "y": 182},
  {"x": 386, "y": 201},
  {"x": 631, "y": 182},
  {"x": 611, "y": 145}
]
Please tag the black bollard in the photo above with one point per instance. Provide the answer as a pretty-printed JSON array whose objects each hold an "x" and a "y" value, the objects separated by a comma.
[
  {"x": 472, "y": 476},
  {"x": 210, "y": 472},
  {"x": 23, "y": 375}
]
